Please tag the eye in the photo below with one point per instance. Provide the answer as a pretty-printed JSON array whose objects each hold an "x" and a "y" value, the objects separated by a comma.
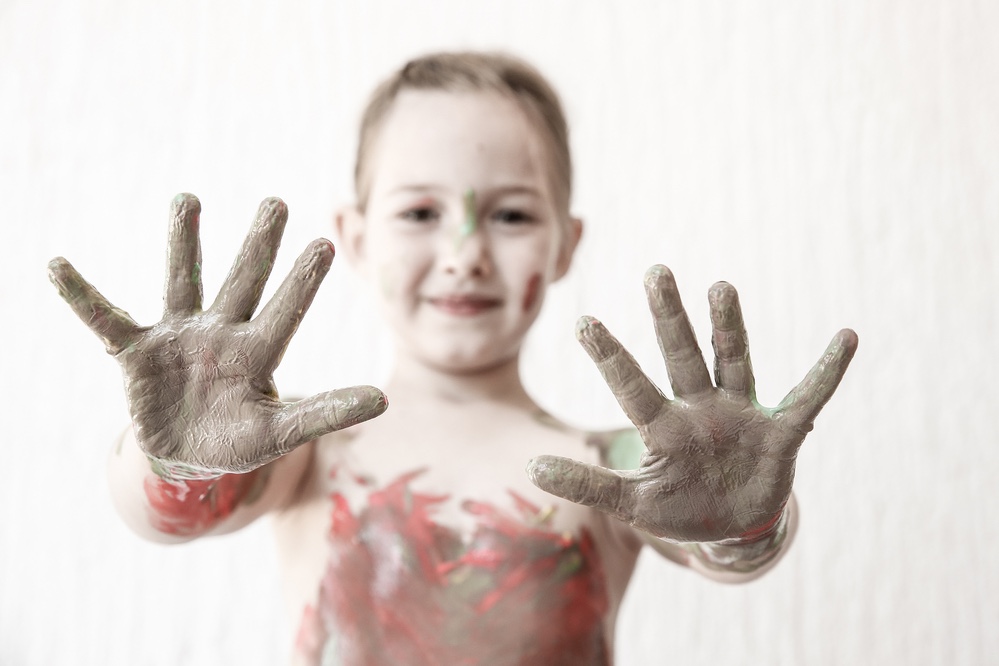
[
  {"x": 420, "y": 214},
  {"x": 512, "y": 216}
]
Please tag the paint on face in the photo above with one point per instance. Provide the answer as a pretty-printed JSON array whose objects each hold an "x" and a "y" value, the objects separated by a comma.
[
  {"x": 434, "y": 148},
  {"x": 191, "y": 507},
  {"x": 531, "y": 293},
  {"x": 471, "y": 222},
  {"x": 402, "y": 589}
]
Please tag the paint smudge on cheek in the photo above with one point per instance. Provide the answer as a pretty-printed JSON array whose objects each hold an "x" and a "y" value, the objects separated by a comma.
[
  {"x": 402, "y": 589},
  {"x": 532, "y": 291}
]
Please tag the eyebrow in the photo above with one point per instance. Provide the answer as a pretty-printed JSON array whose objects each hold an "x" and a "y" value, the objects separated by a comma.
[
  {"x": 417, "y": 188},
  {"x": 426, "y": 188}
]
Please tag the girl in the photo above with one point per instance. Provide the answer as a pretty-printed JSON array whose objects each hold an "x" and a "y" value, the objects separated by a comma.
[{"x": 416, "y": 537}]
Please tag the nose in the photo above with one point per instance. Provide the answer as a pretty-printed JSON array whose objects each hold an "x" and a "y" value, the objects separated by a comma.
[{"x": 466, "y": 253}]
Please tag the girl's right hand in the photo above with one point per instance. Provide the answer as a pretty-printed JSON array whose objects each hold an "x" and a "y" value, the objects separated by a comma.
[{"x": 199, "y": 382}]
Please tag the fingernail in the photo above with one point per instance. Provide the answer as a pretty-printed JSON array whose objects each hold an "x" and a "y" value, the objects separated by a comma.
[
  {"x": 318, "y": 257},
  {"x": 657, "y": 280},
  {"x": 722, "y": 300},
  {"x": 185, "y": 199},
  {"x": 540, "y": 472},
  {"x": 273, "y": 211},
  {"x": 57, "y": 268},
  {"x": 595, "y": 338},
  {"x": 275, "y": 204},
  {"x": 657, "y": 273},
  {"x": 372, "y": 399}
]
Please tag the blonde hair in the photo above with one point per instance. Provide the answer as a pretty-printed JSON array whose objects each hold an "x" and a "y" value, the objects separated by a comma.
[{"x": 471, "y": 72}]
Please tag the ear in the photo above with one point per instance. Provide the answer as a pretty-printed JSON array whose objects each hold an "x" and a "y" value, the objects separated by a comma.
[
  {"x": 568, "y": 247},
  {"x": 349, "y": 225}
]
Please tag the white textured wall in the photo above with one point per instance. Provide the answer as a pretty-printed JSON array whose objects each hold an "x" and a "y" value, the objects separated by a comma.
[{"x": 837, "y": 160}]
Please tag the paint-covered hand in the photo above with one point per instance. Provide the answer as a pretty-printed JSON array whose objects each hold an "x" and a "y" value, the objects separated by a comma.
[
  {"x": 717, "y": 464},
  {"x": 199, "y": 383}
]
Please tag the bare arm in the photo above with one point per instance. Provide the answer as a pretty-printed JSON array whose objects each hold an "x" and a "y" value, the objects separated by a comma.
[
  {"x": 206, "y": 450},
  {"x": 178, "y": 510}
]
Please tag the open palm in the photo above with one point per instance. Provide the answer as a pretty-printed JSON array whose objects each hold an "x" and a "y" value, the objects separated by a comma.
[
  {"x": 199, "y": 382},
  {"x": 717, "y": 464}
]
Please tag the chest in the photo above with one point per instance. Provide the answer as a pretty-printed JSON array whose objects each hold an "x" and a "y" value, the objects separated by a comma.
[
  {"x": 398, "y": 586},
  {"x": 459, "y": 461},
  {"x": 437, "y": 544}
]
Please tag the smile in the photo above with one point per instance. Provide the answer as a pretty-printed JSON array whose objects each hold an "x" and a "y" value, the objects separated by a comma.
[{"x": 464, "y": 306}]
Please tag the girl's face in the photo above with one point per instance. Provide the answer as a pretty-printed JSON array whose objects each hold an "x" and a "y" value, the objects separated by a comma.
[{"x": 462, "y": 232}]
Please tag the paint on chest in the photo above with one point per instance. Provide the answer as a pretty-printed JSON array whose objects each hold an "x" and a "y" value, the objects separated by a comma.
[{"x": 400, "y": 588}]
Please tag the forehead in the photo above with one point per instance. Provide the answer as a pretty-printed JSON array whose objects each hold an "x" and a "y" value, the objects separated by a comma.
[{"x": 464, "y": 139}]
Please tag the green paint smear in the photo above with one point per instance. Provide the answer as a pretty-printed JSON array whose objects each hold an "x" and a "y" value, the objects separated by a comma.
[
  {"x": 196, "y": 274},
  {"x": 625, "y": 450},
  {"x": 471, "y": 223}
]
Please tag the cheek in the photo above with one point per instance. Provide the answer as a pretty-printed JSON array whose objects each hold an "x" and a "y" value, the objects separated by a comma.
[
  {"x": 529, "y": 267},
  {"x": 386, "y": 281},
  {"x": 531, "y": 292},
  {"x": 398, "y": 270},
  {"x": 399, "y": 280}
]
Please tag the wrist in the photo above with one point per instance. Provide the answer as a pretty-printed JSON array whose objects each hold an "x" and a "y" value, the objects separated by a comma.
[
  {"x": 187, "y": 501},
  {"x": 173, "y": 471},
  {"x": 749, "y": 553}
]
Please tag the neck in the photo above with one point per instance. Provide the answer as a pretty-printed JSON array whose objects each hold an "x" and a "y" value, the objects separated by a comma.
[{"x": 416, "y": 381}]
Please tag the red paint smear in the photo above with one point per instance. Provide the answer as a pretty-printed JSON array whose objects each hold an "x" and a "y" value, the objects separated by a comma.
[
  {"x": 531, "y": 294},
  {"x": 527, "y": 508},
  {"x": 763, "y": 529},
  {"x": 309, "y": 641},
  {"x": 188, "y": 508},
  {"x": 401, "y": 589}
]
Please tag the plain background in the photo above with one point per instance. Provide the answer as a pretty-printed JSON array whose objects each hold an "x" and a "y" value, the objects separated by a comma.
[{"x": 836, "y": 160}]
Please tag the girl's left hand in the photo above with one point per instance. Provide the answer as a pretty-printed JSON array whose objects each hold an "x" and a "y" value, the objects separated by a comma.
[{"x": 717, "y": 465}]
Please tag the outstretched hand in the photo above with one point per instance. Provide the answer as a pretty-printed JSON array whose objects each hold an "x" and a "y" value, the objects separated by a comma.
[
  {"x": 199, "y": 383},
  {"x": 717, "y": 464}
]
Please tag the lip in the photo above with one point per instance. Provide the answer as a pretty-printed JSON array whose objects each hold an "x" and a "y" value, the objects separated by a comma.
[{"x": 464, "y": 305}]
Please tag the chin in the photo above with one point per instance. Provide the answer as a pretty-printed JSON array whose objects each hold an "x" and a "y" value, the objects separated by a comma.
[{"x": 470, "y": 361}]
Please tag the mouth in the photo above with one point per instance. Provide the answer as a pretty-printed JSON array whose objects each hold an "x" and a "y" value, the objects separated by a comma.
[{"x": 464, "y": 306}]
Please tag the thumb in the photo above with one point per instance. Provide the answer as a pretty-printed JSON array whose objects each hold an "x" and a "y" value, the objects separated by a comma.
[
  {"x": 305, "y": 420},
  {"x": 590, "y": 485}
]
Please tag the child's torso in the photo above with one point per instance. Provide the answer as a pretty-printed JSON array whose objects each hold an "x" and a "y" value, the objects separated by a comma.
[{"x": 424, "y": 542}]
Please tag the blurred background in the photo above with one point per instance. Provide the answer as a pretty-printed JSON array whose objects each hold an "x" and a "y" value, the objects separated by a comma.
[{"x": 838, "y": 161}]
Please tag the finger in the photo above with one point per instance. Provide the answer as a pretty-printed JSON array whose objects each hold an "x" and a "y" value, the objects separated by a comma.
[
  {"x": 638, "y": 396},
  {"x": 589, "y": 485},
  {"x": 314, "y": 417},
  {"x": 687, "y": 373},
  {"x": 802, "y": 405},
  {"x": 244, "y": 285},
  {"x": 278, "y": 321},
  {"x": 733, "y": 370},
  {"x": 183, "y": 282},
  {"x": 111, "y": 324}
]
